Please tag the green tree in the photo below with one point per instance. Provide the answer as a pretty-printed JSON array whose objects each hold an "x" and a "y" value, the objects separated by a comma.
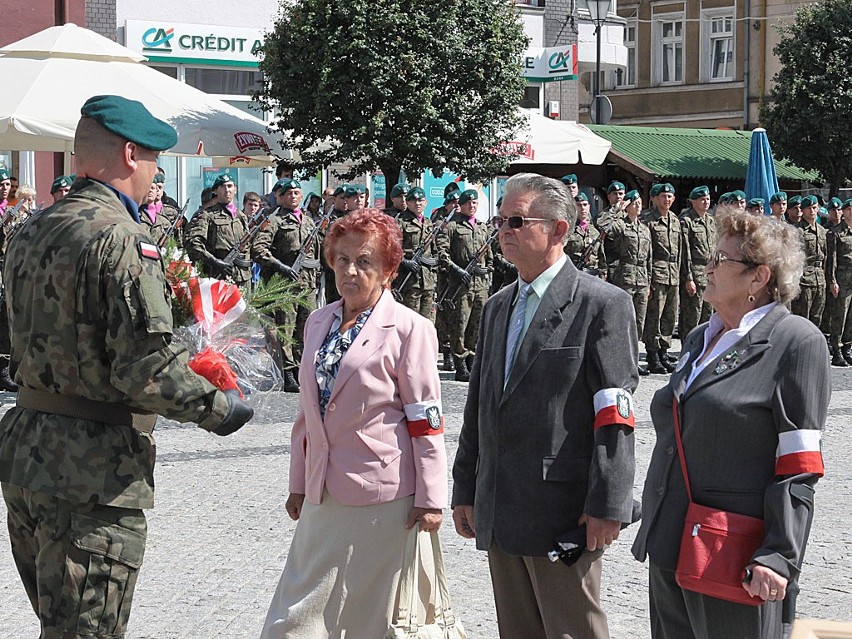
[
  {"x": 408, "y": 84},
  {"x": 807, "y": 117}
]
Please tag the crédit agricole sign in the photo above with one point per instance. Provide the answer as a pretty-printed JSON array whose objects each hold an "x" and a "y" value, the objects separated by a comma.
[{"x": 165, "y": 41}]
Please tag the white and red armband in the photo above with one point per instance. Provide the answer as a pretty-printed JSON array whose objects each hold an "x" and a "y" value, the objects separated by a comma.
[
  {"x": 614, "y": 406},
  {"x": 799, "y": 451},
  {"x": 425, "y": 418}
]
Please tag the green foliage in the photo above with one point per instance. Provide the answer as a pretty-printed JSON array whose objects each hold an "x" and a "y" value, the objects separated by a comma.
[
  {"x": 807, "y": 118},
  {"x": 405, "y": 85}
]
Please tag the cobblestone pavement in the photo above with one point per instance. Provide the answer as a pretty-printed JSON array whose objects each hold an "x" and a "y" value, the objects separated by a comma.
[{"x": 218, "y": 536}]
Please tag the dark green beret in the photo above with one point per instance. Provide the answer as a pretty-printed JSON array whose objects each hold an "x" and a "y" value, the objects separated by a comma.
[
  {"x": 665, "y": 187},
  {"x": 796, "y": 200},
  {"x": 399, "y": 189},
  {"x": 822, "y": 211},
  {"x": 159, "y": 178},
  {"x": 222, "y": 178},
  {"x": 835, "y": 203},
  {"x": 581, "y": 197},
  {"x": 453, "y": 196},
  {"x": 340, "y": 190},
  {"x": 699, "y": 192},
  {"x": 287, "y": 184},
  {"x": 415, "y": 193},
  {"x": 61, "y": 182},
  {"x": 130, "y": 120},
  {"x": 569, "y": 179},
  {"x": 809, "y": 200},
  {"x": 755, "y": 202},
  {"x": 847, "y": 203},
  {"x": 354, "y": 189},
  {"x": 452, "y": 186},
  {"x": 468, "y": 195},
  {"x": 631, "y": 196},
  {"x": 615, "y": 186},
  {"x": 778, "y": 197},
  {"x": 655, "y": 190},
  {"x": 725, "y": 198},
  {"x": 4, "y": 175},
  {"x": 738, "y": 196}
]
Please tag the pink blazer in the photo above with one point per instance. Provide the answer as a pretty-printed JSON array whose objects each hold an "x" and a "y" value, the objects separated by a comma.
[{"x": 382, "y": 436}]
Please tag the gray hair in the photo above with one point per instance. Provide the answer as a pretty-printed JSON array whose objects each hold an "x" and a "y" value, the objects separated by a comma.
[
  {"x": 762, "y": 239},
  {"x": 553, "y": 199}
]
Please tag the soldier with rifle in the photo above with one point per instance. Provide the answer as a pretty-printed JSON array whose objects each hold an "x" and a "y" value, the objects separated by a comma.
[
  {"x": 289, "y": 246},
  {"x": 585, "y": 246},
  {"x": 154, "y": 214},
  {"x": 415, "y": 283},
  {"x": 451, "y": 205},
  {"x": 7, "y": 213}
]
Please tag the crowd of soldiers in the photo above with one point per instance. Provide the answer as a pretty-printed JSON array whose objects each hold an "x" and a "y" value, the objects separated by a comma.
[{"x": 452, "y": 262}]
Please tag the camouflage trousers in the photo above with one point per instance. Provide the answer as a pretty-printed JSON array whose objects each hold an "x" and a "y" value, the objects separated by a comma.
[
  {"x": 420, "y": 300},
  {"x": 292, "y": 324},
  {"x": 463, "y": 320},
  {"x": 810, "y": 303},
  {"x": 441, "y": 325},
  {"x": 840, "y": 317},
  {"x": 693, "y": 310},
  {"x": 660, "y": 319},
  {"x": 78, "y": 562},
  {"x": 639, "y": 295}
]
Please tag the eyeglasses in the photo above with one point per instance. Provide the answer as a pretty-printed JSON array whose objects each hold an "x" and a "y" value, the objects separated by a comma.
[
  {"x": 720, "y": 258},
  {"x": 516, "y": 221}
]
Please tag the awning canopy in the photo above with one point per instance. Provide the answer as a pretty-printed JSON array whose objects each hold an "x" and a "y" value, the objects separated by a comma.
[
  {"x": 657, "y": 153},
  {"x": 546, "y": 141}
]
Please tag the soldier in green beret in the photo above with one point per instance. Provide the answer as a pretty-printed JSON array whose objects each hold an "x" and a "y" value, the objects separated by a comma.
[
  {"x": 755, "y": 206},
  {"x": 613, "y": 212},
  {"x": 77, "y": 452},
  {"x": 699, "y": 230},
  {"x": 355, "y": 196},
  {"x": 838, "y": 274},
  {"x": 60, "y": 187},
  {"x": 631, "y": 242},
  {"x": 831, "y": 217},
  {"x": 397, "y": 198},
  {"x": 570, "y": 181},
  {"x": 417, "y": 278},
  {"x": 451, "y": 205},
  {"x": 738, "y": 198},
  {"x": 667, "y": 248},
  {"x": 793, "y": 214},
  {"x": 583, "y": 246},
  {"x": 215, "y": 230},
  {"x": 154, "y": 215},
  {"x": 778, "y": 205},
  {"x": 811, "y": 300},
  {"x": 458, "y": 246},
  {"x": 6, "y": 382},
  {"x": 276, "y": 248}
]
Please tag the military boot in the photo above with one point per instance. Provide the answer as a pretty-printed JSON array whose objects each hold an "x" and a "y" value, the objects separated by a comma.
[
  {"x": 668, "y": 361},
  {"x": 462, "y": 374},
  {"x": 469, "y": 361},
  {"x": 6, "y": 382},
  {"x": 291, "y": 385},
  {"x": 448, "y": 365},
  {"x": 837, "y": 359},
  {"x": 643, "y": 370},
  {"x": 655, "y": 366},
  {"x": 846, "y": 351}
]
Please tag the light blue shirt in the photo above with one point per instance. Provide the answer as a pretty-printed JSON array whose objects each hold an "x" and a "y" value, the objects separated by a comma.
[{"x": 539, "y": 288}]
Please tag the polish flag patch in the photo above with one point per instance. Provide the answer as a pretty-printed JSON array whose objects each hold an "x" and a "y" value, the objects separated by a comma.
[
  {"x": 424, "y": 418},
  {"x": 148, "y": 250},
  {"x": 614, "y": 406},
  {"x": 798, "y": 452}
]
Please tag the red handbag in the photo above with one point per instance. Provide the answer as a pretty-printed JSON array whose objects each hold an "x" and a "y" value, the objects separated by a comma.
[{"x": 716, "y": 545}]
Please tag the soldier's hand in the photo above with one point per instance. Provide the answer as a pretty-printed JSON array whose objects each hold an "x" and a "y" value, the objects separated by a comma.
[
  {"x": 287, "y": 272},
  {"x": 238, "y": 414},
  {"x": 462, "y": 274},
  {"x": 221, "y": 267},
  {"x": 481, "y": 271},
  {"x": 409, "y": 265}
]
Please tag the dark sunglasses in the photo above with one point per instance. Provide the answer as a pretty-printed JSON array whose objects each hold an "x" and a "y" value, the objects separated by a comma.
[{"x": 516, "y": 221}]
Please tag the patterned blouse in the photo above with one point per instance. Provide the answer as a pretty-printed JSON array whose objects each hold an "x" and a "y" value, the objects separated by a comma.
[{"x": 332, "y": 351}]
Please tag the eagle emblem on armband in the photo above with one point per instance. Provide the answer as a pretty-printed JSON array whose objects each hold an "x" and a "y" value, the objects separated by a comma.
[
  {"x": 622, "y": 404},
  {"x": 433, "y": 416}
]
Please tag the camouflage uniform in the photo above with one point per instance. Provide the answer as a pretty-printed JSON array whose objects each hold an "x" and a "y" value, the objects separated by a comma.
[
  {"x": 505, "y": 272},
  {"x": 631, "y": 243},
  {"x": 212, "y": 233},
  {"x": 578, "y": 242},
  {"x": 700, "y": 242},
  {"x": 331, "y": 292},
  {"x": 839, "y": 271},
  {"x": 91, "y": 319},
  {"x": 160, "y": 225},
  {"x": 606, "y": 217},
  {"x": 280, "y": 241},
  {"x": 459, "y": 244},
  {"x": 666, "y": 248},
  {"x": 811, "y": 299},
  {"x": 419, "y": 291},
  {"x": 442, "y": 281},
  {"x": 5, "y": 346}
]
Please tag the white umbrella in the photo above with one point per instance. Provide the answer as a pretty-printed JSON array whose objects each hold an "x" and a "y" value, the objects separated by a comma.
[
  {"x": 52, "y": 73},
  {"x": 546, "y": 141}
]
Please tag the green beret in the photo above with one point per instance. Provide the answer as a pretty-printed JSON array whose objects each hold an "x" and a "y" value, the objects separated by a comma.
[
  {"x": 615, "y": 186},
  {"x": 809, "y": 200},
  {"x": 340, "y": 190},
  {"x": 222, "y": 178},
  {"x": 755, "y": 202},
  {"x": 699, "y": 192},
  {"x": 415, "y": 193},
  {"x": 569, "y": 179},
  {"x": 287, "y": 184},
  {"x": 581, "y": 197},
  {"x": 725, "y": 198},
  {"x": 796, "y": 200},
  {"x": 665, "y": 187},
  {"x": 454, "y": 196},
  {"x": 835, "y": 203},
  {"x": 4, "y": 175},
  {"x": 738, "y": 196},
  {"x": 468, "y": 195},
  {"x": 399, "y": 189},
  {"x": 778, "y": 197},
  {"x": 655, "y": 190},
  {"x": 130, "y": 120},
  {"x": 847, "y": 203},
  {"x": 452, "y": 186},
  {"x": 159, "y": 178},
  {"x": 61, "y": 182},
  {"x": 631, "y": 196},
  {"x": 354, "y": 189}
]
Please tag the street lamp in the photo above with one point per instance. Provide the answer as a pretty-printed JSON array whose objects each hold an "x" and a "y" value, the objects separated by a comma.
[{"x": 598, "y": 10}]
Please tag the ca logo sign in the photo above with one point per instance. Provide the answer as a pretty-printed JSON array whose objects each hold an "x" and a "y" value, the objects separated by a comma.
[
  {"x": 158, "y": 39},
  {"x": 559, "y": 61}
]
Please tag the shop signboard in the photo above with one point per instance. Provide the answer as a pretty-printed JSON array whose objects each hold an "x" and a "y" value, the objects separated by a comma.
[{"x": 178, "y": 43}]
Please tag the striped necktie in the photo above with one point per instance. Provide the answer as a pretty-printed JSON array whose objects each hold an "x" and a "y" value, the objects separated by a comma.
[{"x": 516, "y": 325}]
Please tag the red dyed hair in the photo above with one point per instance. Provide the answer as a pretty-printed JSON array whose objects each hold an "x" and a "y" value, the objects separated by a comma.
[{"x": 369, "y": 223}]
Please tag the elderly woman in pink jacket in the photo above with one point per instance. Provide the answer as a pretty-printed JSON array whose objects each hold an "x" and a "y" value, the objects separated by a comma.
[{"x": 368, "y": 460}]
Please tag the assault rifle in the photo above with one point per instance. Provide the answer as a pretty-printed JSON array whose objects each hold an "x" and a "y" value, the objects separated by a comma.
[
  {"x": 233, "y": 256},
  {"x": 418, "y": 256},
  {"x": 179, "y": 223},
  {"x": 302, "y": 260},
  {"x": 11, "y": 213},
  {"x": 581, "y": 261},
  {"x": 472, "y": 269}
]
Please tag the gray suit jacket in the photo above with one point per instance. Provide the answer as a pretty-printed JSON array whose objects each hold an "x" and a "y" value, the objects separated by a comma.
[
  {"x": 732, "y": 417},
  {"x": 530, "y": 459}
]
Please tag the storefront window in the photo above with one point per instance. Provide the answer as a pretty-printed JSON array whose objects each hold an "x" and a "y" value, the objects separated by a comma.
[{"x": 223, "y": 81}]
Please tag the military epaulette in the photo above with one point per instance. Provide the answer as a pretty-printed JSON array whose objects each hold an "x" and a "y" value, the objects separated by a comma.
[{"x": 148, "y": 250}]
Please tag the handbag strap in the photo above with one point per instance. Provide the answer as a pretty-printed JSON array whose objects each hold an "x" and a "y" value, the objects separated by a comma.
[
  {"x": 442, "y": 597},
  {"x": 676, "y": 415}
]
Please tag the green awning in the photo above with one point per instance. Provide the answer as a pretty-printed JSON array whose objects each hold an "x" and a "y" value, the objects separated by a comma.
[{"x": 702, "y": 154}]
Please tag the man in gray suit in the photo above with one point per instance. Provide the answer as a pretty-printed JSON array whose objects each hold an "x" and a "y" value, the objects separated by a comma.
[{"x": 547, "y": 440}]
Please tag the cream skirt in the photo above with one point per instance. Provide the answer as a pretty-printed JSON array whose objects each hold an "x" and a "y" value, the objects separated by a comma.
[{"x": 342, "y": 572}]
